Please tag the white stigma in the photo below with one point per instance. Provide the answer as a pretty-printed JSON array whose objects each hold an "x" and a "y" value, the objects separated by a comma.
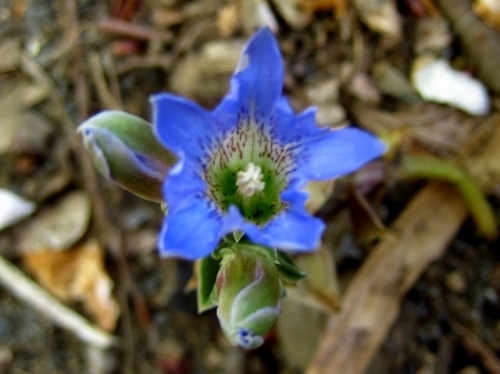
[{"x": 249, "y": 180}]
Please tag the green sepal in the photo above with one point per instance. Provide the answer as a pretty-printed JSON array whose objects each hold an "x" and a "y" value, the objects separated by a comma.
[
  {"x": 270, "y": 253},
  {"x": 164, "y": 208},
  {"x": 207, "y": 275},
  {"x": 289, "y": 272},
  {"x": 237, "y": 235}
]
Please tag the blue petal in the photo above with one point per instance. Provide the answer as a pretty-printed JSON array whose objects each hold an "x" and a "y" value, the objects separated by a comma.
[
  {"x": 182, "y": 184},
  {"x": 183, "y": 127},
  {"x": 234, "y": 221},
  {"x": 227, "y": 115},
  {"x": 293, "y": 229},
  {"x": 258, "y": 81},
  {"x": 287, "y": 128},
  {"x": 336, "y": 153},
  {"x": 191, "y": 232}
]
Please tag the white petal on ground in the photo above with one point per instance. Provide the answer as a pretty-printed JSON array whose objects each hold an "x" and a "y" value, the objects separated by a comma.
[
  {"x": 13, "y": 208},
  {"x": 437, "y": 81}
]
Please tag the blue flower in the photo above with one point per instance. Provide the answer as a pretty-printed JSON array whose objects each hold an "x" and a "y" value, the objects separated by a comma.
[{"x": 242, "y": 166}]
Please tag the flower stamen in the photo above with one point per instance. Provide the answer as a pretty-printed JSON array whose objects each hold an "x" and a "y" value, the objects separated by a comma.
[{"x": 249, "y": 181}]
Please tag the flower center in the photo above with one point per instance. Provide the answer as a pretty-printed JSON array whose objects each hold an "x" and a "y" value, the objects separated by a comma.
[
  {"x": 248, "y": 170},
  {"x": 249, "y": 181}
]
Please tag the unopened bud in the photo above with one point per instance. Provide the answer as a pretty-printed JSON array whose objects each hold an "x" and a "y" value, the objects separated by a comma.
[
  {"x": 248, "y": 293},
  {"x": 125, "y": 150}
]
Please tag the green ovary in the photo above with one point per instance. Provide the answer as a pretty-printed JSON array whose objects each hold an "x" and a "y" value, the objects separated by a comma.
[
  {"x": 248, "y": 145},
  {"x": 258, "y": 208}
]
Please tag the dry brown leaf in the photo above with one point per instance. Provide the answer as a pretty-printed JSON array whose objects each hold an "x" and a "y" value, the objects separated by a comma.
[
  {"x": 77, "y": 274},
  {"x": 320, "y": 288},
  {"x": 313, "y": 299},
  {"x": 338, "y": 6},
  {"x": 380, "y": 16},
  {"x": 59, "y": 225},
  {"x": 489, "y": 11},
  {"x": 293, "y": 13},
  {"x": 10, "y": 50},
  {"x": 319, "y": 192},
  {"x": 227, "y": 20}
]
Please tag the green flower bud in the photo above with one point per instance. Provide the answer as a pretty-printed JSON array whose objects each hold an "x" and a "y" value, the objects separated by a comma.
[
  {"x": 125, "y": 150},
  {"x": 248, "y": 292}
]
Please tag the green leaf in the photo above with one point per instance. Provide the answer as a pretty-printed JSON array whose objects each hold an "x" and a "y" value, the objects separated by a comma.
[
  {"x": 207, "y": 275},
  {"x": 429, "y": 167},
  {"x": 288, "y": 270}
]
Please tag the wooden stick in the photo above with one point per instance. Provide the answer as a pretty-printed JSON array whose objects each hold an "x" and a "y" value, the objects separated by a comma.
[
  {"x": 29, "y": 292},
  {"x": 371, "y": 304}
]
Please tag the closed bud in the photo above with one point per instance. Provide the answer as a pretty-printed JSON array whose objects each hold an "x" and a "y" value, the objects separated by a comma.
[
  {"x": 125, "y": 150},
  {"x": 248, "y": 293}
]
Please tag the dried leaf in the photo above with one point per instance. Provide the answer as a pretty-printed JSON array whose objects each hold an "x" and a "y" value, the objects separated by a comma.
[
  {"x": 489, "y": 11},
  {"x": 77, "y": 274},
  {"x": 255, "y": 14},
  {"x": 227, "y": 21},
  {"x": 312, "y": 300},
  {"x": 381, "y": 16},
  {"x": 338, "y": 6},
  {"x": 433, "y": 35},
  {"x": 319, "y": 192},
  {"x": 60, "y": 226},
  {"x": 20, "y": 95},
  {"x": 24, "y": 132},
  {"x": 320, "y": 288},
  {"x": 216, "y": 61},
  {"x": 294, "y": 14},
  {"x": 298, "y": 340},
  {"x": 10, "y": 50}
]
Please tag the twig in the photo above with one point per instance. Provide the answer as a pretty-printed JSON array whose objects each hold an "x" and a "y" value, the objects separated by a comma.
[
  {"x": 105, "y": 96},
  {"x": 112, "y": 76},
  {"x": 118, "y": 27},
  {"x": 478, "y": 347},
  {"x": 29, "y": 292},
  {"x": 144, "y": 62},
  {"x": 481, "y": 43},
  {"x": 78, "y": 71},
  {"x": 124, "y": 9}
]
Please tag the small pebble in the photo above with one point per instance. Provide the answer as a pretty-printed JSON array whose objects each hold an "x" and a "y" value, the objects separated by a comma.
[
  {"x": 456, "y": 282},
  {"x": 470, "y": 370}
]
